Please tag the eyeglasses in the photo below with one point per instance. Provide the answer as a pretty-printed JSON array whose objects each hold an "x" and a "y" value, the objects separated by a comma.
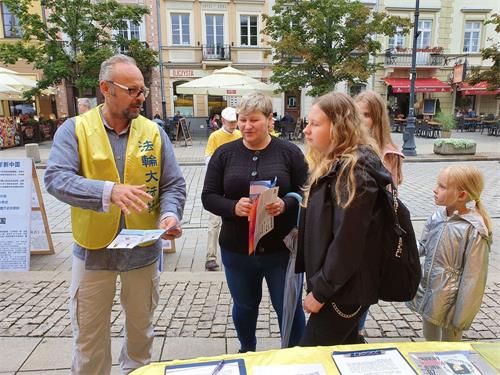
[{"x": 134, "y": 93}]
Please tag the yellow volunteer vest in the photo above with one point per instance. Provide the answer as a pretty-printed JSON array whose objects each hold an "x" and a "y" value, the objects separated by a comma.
[{"x": 95, "y": 230}]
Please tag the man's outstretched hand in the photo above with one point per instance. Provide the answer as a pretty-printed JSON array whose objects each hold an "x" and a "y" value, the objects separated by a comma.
[{"x": 130, "y": 197}]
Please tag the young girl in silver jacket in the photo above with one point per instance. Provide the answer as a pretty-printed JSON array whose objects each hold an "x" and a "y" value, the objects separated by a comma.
[{"x": 455, "y": 243}]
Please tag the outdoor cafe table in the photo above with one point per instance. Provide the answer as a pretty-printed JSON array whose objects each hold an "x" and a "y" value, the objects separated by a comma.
[
  {"x": 471, "y": 123},
  {"x": 322, "y": 355},
  {"x": 399, "y": 124}
]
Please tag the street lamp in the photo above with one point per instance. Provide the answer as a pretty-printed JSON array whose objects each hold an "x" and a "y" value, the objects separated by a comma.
[{"x": 409, "y": 147}]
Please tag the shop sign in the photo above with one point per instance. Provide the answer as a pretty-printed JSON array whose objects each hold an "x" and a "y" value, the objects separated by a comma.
[{"x": 181, "y": 73}]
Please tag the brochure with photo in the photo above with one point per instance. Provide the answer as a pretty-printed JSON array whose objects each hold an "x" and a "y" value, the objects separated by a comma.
[
  {"x": 259, "y": 221},
  {"x": 459, "y": 362}
]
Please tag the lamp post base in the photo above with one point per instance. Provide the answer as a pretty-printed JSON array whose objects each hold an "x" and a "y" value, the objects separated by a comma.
[{"x": 409, "y": 147}]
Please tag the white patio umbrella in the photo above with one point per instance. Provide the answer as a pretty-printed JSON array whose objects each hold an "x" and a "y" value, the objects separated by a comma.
[
  {"x": 16, "y": 81},
  {"x": 9, "y": 93},
  {"x": 5, "y": 70},
  {"x": 227, "y": 81}
]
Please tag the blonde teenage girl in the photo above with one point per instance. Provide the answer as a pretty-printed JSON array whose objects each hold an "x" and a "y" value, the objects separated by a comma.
[{"x": 374, "y": 112}]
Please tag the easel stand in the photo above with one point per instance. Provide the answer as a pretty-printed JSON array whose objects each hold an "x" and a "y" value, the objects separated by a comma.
[
  {"x": 182, "y": 133},
  {"x": 41, "y": 239}
]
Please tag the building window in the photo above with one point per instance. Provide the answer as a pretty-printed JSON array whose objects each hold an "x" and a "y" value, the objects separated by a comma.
[
  {"x": 215, "y": 29},
  {"x": 398, "y": 40},
  {"x": 248, "y": 30},
  {"x": 471, "y": 36},
  {"x": 425, "y": 29},
  {"x": 182, "y": 102},
  {"x": 11, "y": 28},
  {"x": 180, "y": 29},
  {"x": 132, "y": 31}
]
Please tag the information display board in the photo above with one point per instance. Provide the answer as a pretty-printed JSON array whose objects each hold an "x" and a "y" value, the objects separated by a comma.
[{"x": 15, "y": 214}]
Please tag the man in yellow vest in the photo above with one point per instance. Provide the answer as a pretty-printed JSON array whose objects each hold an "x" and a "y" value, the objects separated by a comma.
[
  {"x": 117, "y": 170},
  {"x": 226, "y": 134}
]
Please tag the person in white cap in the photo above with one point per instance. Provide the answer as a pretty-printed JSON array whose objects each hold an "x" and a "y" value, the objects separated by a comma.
[{"x": 226, "y": 134}]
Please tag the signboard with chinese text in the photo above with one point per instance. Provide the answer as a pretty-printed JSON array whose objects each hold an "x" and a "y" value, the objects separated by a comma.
[{"x": 15, "y": 214}]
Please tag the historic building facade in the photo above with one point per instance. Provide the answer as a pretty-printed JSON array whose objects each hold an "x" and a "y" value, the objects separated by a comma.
[{"x": 452, "y": 32}]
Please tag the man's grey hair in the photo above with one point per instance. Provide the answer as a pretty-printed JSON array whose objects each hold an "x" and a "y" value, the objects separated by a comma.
[
  {"x": 86, "y": 102},
  {"x": 107, "y": 65}
]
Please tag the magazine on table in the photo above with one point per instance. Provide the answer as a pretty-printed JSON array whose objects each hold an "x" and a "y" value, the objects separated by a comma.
[{"x": 451, "y": 363}]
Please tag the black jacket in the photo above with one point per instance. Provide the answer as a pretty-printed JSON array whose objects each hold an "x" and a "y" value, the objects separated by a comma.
[{"x": 335, "y": 245}]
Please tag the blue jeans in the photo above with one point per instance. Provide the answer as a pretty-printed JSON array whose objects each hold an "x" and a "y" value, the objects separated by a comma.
[
  {"x": 244, "y": 275},
  {"x": 363, "y": 320}
]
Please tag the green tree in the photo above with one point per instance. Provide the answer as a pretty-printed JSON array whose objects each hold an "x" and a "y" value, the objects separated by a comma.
[
  {"x": 145, "y": 57},
  {"x": 490, "y": 75},
  {"x": 71, "y": 43},
  {"x": 319, "y": 43}
]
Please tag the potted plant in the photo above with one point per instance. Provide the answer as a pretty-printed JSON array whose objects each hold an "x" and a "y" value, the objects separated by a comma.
[
  {"x": 447, "y": 121},
  {"x": 454, "y": 146}
]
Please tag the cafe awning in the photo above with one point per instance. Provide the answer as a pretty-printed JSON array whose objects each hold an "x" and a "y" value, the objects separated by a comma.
[
  {"x": 402, "y": 85},
  {"x": 480, "y": 88}
]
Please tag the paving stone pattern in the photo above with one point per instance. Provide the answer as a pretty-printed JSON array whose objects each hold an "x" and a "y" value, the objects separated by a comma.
[
  {"x": 416, "y": 192},
  {"x": 203, "y": 309}
]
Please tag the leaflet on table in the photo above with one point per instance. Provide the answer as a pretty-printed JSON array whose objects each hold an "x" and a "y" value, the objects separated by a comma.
[
  {"x": 260, "y": 222},
  {"x": 130, "y": 238},
  {"x": 451, "y": 363},
  {"x": 372, "y": 362},
  {"x": 304, "y": 369},
  {"x": 222, "y": 367}
]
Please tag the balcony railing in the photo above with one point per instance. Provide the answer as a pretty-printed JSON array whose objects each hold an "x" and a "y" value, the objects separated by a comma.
[
  {"x": 216, "y": 52},
  {"x": 425, "y": 57}
]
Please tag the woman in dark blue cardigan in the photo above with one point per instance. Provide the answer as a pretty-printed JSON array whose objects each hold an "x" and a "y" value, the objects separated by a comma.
[{"x": 256, "y": 156}]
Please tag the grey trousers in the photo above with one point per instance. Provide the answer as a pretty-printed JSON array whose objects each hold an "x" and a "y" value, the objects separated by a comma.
[{"x": 214, "y": 223}]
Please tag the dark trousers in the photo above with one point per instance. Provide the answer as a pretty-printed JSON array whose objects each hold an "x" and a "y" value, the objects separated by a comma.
[
  {"x": 244, "y": 275},
  {"x": 327, "y": 327}
]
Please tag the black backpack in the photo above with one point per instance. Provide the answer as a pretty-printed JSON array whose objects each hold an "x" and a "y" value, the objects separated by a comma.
[{"x": 400, "y": 270}]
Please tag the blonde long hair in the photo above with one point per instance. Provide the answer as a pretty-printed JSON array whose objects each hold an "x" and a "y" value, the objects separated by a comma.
[
  {"x": 346, "y": 134},
  {"x": 381, "y": 127},
  {"x": 471, "y": 180}
]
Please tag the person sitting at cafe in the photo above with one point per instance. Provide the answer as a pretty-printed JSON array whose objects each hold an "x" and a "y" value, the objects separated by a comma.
[
  {"x": 84, "y": 105},
  {"x": 471, "y": 113},
  {"x": 216, "y": 122},
  {"x": 177, "y": 116}
]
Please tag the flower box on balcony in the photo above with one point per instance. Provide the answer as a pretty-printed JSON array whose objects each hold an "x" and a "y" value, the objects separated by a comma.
[{"x": 454, "y": 146}]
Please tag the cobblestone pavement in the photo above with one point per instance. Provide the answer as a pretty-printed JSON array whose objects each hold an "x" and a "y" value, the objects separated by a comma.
[
  {"x": 203, "y": 309},
  {"x": 416, "y": 192},
  {"x": 196, "y": 304}
]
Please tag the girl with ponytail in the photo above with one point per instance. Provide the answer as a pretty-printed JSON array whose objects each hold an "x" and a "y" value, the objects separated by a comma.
[{"x": 456, "y": 242}]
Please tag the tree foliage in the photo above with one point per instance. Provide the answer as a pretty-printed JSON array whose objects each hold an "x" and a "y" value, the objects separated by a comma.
[
  {"x": 491, "y": 75},
  {"x": 73, "y": 41},
  {"x": 319, "y": 43}
]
